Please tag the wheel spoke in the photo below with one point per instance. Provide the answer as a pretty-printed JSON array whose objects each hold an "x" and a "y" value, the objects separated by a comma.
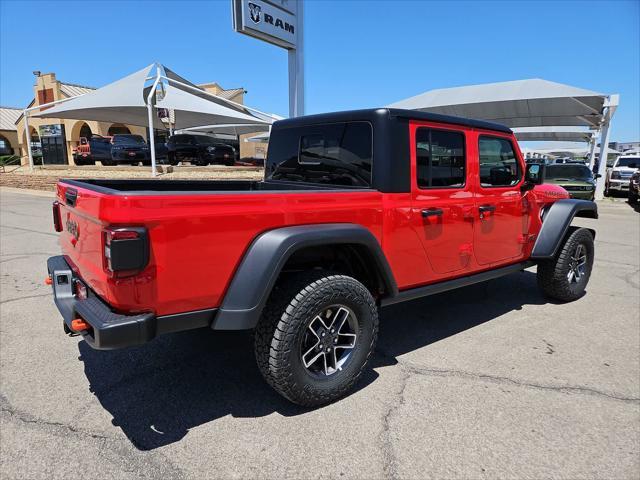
[
  {"x": 317, "y": 319},
  {"x": 310, "y": 353},
  {"x": 571, "y": 275},
  {"x": 339, "y": 319},
  {"x": 350, "y": 337},
  {"x": 332, "y": 361}
]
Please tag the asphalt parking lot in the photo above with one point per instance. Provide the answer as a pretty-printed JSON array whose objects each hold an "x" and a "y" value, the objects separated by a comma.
[{"x": 491, "y": 381}]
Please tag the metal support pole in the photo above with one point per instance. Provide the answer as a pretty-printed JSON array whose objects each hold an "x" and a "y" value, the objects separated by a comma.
[
  {"x": 296, "y": 69},
  {"x": 602, "y": 166},
  {"x": 152, "y": 140},
  {"x": 592, "y": 150},
  {"x": 152, "y": 144},
  {"x": 27, "y": 136}
]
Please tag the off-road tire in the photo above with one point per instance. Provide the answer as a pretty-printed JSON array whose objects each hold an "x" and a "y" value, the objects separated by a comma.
[
  {"x": 553, "y": 274},
  {"x": 632, "y": 198},
  {"x": 294, "y": 302}
]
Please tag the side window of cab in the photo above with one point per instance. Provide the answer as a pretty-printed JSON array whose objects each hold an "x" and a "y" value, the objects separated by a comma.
[
  {"x": 440, "y": 158},
  {"x": 499, "y": 166}
]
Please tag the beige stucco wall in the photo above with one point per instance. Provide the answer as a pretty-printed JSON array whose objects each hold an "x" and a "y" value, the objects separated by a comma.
[{"x": 12, "y": 137}]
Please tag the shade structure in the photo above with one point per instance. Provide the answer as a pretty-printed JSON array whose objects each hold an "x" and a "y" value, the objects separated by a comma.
[
  {"x": 232, "y": 129},
  {"x": 520, "y": 103},
  {"x": 577, "y": 151},
  {"x": 192, "y": 110},
  {"x": 554, "y": 134},
  {"x": 122, "y": 101}
]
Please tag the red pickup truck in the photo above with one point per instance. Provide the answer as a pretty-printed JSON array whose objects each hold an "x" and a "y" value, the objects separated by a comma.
[{"x": 357, "y": 210}]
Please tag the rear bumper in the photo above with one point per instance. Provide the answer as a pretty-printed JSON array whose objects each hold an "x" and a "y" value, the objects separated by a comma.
[{"x": 110, "y": 330}]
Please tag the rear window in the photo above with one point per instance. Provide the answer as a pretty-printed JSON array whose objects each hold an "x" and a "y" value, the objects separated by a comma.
[
  {"x": 629, "y": 162},
  {"x": 337, "y": 154}
]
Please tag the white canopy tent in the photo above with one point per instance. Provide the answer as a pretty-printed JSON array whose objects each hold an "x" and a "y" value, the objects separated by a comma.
[
  {"x": 132, "y": 100},
  {"x": 524, "y": 103}
]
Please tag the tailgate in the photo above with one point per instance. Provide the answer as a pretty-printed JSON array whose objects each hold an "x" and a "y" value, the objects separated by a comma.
[{"x": 81, "y": 238}]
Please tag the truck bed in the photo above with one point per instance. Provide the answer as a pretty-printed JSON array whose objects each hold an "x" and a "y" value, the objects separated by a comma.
[
  {"x": 198, "y": 231},
  {"x": 146, "y": 187}
]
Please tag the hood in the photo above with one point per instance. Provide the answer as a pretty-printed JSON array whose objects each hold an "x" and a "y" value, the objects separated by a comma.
[{"x": 569, "y": 182}]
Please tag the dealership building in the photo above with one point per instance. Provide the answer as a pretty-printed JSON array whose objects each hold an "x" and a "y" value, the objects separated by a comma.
[{"x": 54, "y": 140}]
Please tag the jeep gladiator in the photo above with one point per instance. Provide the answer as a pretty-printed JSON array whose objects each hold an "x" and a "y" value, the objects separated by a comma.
[{"x": 357, "y": 210}]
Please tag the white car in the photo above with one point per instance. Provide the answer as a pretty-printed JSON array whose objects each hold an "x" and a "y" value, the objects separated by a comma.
[{"x": 619, "y": 175}]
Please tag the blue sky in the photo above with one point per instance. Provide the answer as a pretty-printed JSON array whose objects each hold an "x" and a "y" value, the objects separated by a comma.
[{"x": 358, "y": 53}]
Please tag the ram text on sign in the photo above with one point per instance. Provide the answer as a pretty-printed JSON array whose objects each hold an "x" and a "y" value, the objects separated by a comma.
[{"x": 264, "y": 20}]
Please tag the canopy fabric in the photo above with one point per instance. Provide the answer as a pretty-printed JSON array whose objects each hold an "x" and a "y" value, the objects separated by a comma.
[
  {"x": 232, "y": 129},
  {"x": 554, "y": 134},
  {"x": 580, "y": 151},
  {"x": 520, "y": 103},
  {"x": 260, "y": 138},
  {"x": 192, "y": 110},
  {"x": 122, "y": 101}
]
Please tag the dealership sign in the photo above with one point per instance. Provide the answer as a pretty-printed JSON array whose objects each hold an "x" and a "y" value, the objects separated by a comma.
[{"x": 274, "y": 21}]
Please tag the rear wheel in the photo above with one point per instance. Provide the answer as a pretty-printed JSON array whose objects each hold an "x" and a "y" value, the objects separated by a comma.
[
  {"x": 633, "y": 197},
  {"x": 565, "y": 277},
  {"x": 201, "y": 160},
  {"x": 315, "y": 337}
]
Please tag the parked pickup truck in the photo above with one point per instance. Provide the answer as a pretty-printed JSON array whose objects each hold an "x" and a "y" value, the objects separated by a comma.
[{"x": 357, "y": 210}]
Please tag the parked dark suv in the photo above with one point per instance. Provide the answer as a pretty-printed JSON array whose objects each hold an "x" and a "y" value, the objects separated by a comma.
[
  {"x": 127, "y": 148},
  {"x": 199, "y": 149}
]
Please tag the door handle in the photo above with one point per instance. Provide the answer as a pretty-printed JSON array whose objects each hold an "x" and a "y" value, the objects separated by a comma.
[
  {"x": 432, "y": 212},
  {"x": 485, "y": 209}
]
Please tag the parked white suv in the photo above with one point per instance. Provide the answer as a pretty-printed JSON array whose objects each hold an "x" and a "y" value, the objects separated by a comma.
[{"x": 619, "y": 175}]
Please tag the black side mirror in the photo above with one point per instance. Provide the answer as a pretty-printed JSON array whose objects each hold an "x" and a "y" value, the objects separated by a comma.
[
  {"x": 533, "y": 175},
  {"x": 597, "y": 175}
]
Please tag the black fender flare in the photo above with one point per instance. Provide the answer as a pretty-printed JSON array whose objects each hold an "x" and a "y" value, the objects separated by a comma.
[
  {"x": 262, "y": 263},
  {"x": 556, "y": 222}
]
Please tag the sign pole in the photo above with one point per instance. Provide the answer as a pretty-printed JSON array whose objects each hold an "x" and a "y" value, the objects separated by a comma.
[
  {"x": 280, "y": 23},
  {"x": 296, "y": 68}
]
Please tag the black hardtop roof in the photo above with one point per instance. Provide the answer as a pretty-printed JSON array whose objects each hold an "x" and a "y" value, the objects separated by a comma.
[{"x": 375, "y": 114}]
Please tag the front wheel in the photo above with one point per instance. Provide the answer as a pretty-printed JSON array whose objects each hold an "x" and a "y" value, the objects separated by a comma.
[
  {"x": 565, "y": 277},
  {"x": 315, "y": 337}
]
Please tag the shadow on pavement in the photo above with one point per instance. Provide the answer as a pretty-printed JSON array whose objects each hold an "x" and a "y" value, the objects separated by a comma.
[{"x": 158, "y": 391}]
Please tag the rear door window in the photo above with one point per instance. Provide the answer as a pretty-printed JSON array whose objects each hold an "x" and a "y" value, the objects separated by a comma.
[
  {"x": 338, "y": 154},
  {"x": 499, "y": 166},
  {"x": 440, "y": 158}
]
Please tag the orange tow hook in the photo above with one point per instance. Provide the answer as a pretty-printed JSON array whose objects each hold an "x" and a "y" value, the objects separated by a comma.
[
  {"x": 78, "y": 325},
  {"x": 48, "y": 280}
]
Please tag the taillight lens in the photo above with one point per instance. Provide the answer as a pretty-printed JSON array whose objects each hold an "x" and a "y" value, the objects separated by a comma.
[
  {"x": 57, "y": 221},
  {"x": 126, "y": 251}
]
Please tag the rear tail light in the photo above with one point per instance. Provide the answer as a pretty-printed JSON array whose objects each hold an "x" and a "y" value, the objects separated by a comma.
[
  {"x": 57, "y": 221},
  {"x": 126, "y": 251}
]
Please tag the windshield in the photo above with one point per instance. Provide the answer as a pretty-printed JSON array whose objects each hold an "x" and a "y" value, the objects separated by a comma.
[
  {"x": 120, "y": 139},
  {"x": 569, "y": 172},
  {"x": 629, "y": 162}
]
